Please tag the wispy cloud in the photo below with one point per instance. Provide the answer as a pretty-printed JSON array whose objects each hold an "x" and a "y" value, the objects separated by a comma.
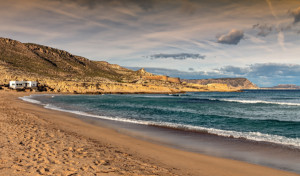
[
  {"x": 263, "y": 29},
  {"x": 271, "y": 8},
  {"x": 232, "y": 38},
  {"x": 280, "y": 35},
  {"x": 280, "y": 39},
  {"x": 179, "y": 56},
  {"x": 296, "y": 15}
]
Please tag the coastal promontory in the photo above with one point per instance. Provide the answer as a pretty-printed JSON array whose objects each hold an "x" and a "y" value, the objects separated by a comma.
[{"x": 60, "y": 71}]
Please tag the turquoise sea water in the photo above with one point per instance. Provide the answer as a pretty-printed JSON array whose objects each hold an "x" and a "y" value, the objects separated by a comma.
[{"x": 259, "y": 115}]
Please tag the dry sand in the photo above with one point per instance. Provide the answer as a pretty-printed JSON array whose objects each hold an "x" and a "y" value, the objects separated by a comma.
[{"x": 38, "y": 141}]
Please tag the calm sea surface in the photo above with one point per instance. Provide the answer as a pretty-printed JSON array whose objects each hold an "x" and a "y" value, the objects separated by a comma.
[{"x": 259, "y": 115}]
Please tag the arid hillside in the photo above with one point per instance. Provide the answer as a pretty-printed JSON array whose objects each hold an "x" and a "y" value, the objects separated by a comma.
[
  {"x": 234, "y": 83},
  {"x": 51, "y": 62},
  {"x": 60, "y": 71}
]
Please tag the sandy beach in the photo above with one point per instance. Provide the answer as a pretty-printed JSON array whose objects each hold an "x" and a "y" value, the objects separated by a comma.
[{"x": 38, "y": 141}]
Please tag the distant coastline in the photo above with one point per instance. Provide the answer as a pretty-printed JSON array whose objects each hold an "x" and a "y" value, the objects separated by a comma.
[
  {"x": 282, "y": 87},
  {"x": 270, "y": 88}
]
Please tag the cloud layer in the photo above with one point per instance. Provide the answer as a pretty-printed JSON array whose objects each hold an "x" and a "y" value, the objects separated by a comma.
[
  {"x": 296, "y": 15},
  {"x": 263, "y": 29},
  {"x": 123, "y": 31},
  {"x": 179, "y": 56},
  {"x": 266, "y": 69},
  {"x": 262, "y": 74}
]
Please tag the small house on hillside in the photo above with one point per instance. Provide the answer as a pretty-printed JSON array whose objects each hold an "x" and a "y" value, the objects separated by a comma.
[{"x": 22, "y": 84}]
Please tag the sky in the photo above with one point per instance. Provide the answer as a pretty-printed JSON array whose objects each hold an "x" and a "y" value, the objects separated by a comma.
[{"x": 195, "y": 39}]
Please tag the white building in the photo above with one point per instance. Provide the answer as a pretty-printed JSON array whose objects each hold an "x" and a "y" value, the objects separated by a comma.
[{"x": 22, "y": 84}]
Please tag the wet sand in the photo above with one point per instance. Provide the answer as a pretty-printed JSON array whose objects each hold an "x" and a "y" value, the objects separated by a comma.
[
  {"x": 268, "y": 154},
  {"x": 38, "y": 141}
]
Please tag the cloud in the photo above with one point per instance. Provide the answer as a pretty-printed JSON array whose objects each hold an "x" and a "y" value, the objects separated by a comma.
[
  {"x": 263, "y": 29},
  {"x": 263, "y": 69},
  {"x": 275, "y": 69},
  {"x": 271, "y": 8},
  {"x": 280, "y": 35},
  {"x": 179, "y": 56},
  {"x": 296, "y": 15},
  {"x": 233, "y": 70},
  {"x": 280, "y": 39},
  {"x": 120, "y": 31},
  {"x": 91, "y": 4},
  {"x": 232, "y": 38},
  {"x": 265, "y": 74}
]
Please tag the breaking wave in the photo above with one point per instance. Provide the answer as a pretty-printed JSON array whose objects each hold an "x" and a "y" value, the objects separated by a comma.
[
  {"x": 255, "y": 136},
  {"x": 258, "y": 102}
]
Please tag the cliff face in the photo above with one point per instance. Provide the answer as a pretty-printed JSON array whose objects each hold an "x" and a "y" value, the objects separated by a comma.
[
  {"x": 59, "y": 71},
  {"x": 234, "y": 83}
]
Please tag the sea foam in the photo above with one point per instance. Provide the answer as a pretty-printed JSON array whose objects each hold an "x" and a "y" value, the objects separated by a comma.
[
  {"x": 255, "y": 136},
  {"x": 30, "y": 100},
  {"x": 257, "y": 102}
]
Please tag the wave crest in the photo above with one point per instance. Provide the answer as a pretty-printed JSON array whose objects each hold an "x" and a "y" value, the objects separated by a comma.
[
  {"x": 255, "y": 136},
  {"x": 258, "y": 102}
]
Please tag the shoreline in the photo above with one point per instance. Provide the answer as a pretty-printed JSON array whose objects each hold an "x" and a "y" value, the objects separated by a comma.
[
  {"x": 255, "y": 152},
  {"x": 155, "y": 158},
  {"x": 243, "y": 136}
]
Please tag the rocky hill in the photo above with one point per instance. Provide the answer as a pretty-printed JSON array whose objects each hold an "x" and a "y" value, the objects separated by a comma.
[
  {"x": 54, "y": 63},
  {"x": 234, "y": 83},
  {"x": 59, "y": 71}
]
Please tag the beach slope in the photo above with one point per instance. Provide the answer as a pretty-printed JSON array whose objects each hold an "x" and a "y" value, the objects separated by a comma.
[{"x": 34, "y": 141}]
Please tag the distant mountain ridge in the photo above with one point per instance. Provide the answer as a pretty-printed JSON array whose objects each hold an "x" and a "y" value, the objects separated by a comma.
[{"x": 284, "y": 86}]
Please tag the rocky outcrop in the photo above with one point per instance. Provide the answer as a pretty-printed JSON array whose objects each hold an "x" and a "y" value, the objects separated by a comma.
[
  {"x": 142, "y": 72},
  {"x": 174, "y": 80},
  {"x": 149, "y": 76},
  {"x": 233, "y": 83},
  {"x": 163, "y": 78}
]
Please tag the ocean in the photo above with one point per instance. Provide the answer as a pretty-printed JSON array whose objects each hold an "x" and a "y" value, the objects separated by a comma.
[{"x": 259, "y": 116}]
